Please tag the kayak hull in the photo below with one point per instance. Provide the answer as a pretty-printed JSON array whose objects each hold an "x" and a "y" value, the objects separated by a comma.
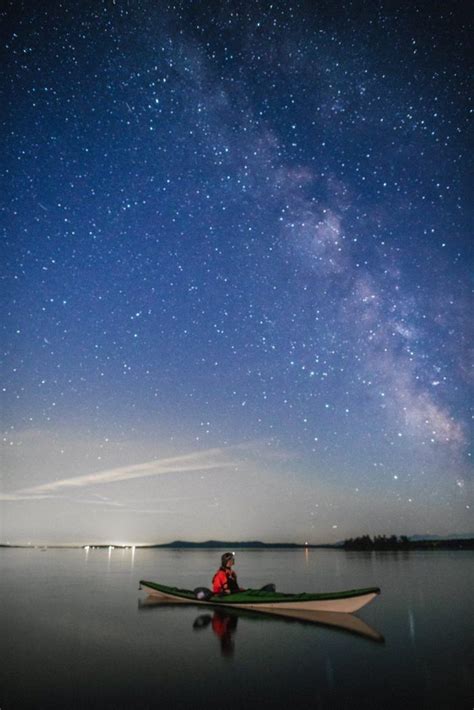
[{"x": 345, "y": 602}]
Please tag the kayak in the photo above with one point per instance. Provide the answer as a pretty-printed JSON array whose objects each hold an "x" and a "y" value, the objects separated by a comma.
[{"x": 341, "y": 602}]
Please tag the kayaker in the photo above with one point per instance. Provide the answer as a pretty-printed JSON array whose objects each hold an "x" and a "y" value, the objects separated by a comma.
[{"x": 225, "y": 579}]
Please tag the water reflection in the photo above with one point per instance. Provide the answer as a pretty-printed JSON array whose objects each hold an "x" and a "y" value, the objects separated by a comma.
[
  {"x": 223, "y": 625},
  {"x": 224, "y": 621},
  {"x": 411, "y": 623}
]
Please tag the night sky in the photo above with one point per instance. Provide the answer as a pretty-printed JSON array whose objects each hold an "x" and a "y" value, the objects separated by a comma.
[{"x": 236, "y": 286}]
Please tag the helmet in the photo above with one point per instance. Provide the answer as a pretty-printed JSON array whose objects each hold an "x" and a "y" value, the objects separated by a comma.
[{"x": 226, "y": 557}]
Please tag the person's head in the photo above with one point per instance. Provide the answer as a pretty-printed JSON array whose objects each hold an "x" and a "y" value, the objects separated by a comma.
[{"x": 227, "y": 559}]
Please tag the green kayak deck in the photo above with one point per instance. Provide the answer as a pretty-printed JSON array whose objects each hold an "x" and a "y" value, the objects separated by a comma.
[{"x": 346, "y": 601}]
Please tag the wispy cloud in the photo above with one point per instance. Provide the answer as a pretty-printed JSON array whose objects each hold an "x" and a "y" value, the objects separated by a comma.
[
  {"x": 143, "y": 511},
  {"x": 222, "y": 459},
  {"x": 23, "y": 496},
  {"x": 98, "y": 502}
]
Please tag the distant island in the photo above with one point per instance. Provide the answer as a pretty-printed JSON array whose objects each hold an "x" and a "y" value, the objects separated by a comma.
[
  {"x": 364, "y": 542},
  {"x": 233, "y": 545}
]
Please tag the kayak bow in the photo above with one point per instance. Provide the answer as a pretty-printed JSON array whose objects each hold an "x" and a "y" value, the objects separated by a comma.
[{"x": 341, "y": 602}]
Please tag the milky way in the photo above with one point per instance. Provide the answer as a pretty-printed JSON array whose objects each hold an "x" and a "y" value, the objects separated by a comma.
[{"x": 236, "y": 248}]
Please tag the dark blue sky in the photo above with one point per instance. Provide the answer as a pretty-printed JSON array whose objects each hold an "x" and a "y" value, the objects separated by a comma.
[{"x": 236, "y": 248}]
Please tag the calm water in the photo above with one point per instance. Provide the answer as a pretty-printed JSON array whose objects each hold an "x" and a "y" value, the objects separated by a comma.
[{"x": 77, "y": 633}]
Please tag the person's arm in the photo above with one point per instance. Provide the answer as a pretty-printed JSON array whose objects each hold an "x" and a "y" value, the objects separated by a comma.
[{"x": 241, "y": 589}]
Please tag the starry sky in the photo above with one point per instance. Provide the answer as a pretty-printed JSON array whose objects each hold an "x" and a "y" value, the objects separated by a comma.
[{"x": 236, "y": 285}]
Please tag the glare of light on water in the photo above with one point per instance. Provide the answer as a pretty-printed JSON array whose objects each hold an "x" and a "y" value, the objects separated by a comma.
[{"x": 411, "y": 625}]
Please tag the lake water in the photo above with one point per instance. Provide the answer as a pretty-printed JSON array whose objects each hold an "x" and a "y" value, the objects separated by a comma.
[{"x": 77, "y": 633}]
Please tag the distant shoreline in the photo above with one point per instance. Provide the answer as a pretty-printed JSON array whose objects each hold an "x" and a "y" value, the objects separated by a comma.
[
  {"x": 363, "y": 544},
  {"x": 408, "y": 545},
  {"x": 178, "y": 545}
]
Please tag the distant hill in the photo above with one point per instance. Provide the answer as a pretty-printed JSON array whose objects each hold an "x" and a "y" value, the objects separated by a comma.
[{"x": 232, "y": 545}]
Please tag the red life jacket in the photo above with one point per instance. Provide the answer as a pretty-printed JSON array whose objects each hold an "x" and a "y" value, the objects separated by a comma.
[{"x": 224, "y": 581}]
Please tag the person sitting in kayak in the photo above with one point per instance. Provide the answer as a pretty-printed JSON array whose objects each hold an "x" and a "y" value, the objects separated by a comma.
[{"x": 225, "y": 579}]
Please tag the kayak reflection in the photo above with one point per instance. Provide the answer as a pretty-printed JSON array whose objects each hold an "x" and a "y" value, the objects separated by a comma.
[
  {"x": 224, "y": 626},
  {"x": 226, "y": 619}
]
